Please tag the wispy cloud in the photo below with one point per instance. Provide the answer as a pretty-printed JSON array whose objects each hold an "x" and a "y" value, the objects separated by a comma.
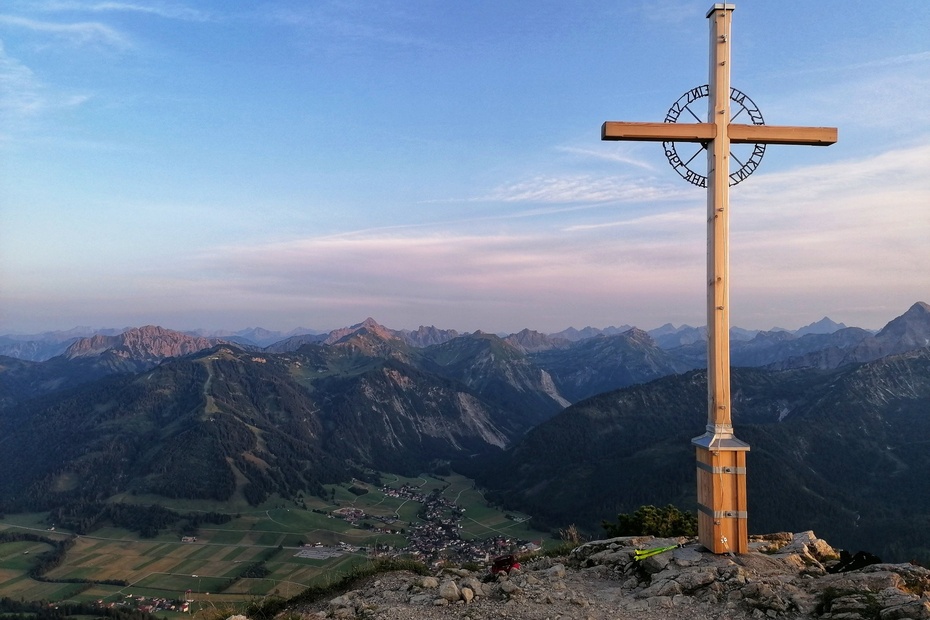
[
  {"x": 341, "y": 26},
  {"x": 837, "y": 183},
  {"x": 77, "y": 33},
  {"x": 668, "y": 222},
  {"x": 165, "y": 10},
  {"x": 669, "y": 11},
  {"x": 902, "y": 60},
  {"x": 890, "y": 61},
  {"x": 887, "y": 93},
  {"x": 447, "y": 266},
  {"x": 890, "y": 100},
  {"x": 614, "y": 155},
  {"x": 558, "y": 193},
  {"x": 580, "y": 188},
  {"x": 23, "y": 96},
  {"x": 19, "y": 88}
]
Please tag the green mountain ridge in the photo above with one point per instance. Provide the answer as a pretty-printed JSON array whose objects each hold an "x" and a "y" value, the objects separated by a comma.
[{"x": 225, "y": 422}]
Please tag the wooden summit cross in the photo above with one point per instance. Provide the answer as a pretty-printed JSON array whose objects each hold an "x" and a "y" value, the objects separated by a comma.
[{"x": 721, "y": 457}]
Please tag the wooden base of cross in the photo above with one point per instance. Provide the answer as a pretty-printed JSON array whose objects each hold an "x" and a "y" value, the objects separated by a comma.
[{"x": 721, "y": 494}]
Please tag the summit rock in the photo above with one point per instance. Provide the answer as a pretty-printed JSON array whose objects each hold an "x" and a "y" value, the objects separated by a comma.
[{"x": 783, "y": 576}]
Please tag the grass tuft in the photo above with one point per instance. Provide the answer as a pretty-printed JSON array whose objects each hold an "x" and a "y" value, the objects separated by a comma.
[{"x": 269, "y": 608}]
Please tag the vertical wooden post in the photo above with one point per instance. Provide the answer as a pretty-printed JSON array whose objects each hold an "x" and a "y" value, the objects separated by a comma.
[
  {"x": 721, "y": 458},
  {"x": 718, "y": 224}
]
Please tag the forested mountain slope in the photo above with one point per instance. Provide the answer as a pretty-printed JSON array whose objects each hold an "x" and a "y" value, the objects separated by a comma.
[{"x": 845, "y": 452}]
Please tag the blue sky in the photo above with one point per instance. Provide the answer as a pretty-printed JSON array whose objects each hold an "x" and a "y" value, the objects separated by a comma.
[{"x": 281, "y": 164}]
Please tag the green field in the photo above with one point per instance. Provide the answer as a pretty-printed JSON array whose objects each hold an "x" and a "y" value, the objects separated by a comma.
[{"x": 211, "y": 567}]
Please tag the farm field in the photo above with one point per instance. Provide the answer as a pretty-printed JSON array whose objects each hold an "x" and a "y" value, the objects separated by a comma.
[{"x": 219, "y": 567}]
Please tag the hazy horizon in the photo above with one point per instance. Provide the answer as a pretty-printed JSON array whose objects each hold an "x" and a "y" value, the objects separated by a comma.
[{"x": 324, "y": 330}]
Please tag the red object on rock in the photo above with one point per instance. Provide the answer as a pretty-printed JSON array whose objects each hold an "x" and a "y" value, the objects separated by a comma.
[{"x": 504, "y": 564}]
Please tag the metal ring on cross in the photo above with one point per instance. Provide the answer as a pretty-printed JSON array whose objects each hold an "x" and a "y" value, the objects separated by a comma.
[{"x": 746, "y": 156}]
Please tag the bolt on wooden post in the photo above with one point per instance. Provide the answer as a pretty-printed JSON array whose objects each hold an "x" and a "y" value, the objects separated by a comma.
[{"x": 721, "y": 457}]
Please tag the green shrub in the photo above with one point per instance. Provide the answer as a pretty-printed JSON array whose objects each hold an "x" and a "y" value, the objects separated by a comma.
[{"x": 652, "y": 521}]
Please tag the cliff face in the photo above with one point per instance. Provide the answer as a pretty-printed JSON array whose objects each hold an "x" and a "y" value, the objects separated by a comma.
[{"x": 604, "y": 363}]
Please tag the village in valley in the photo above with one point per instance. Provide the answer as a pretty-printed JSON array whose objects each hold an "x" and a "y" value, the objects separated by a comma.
[
  {"x": 435, "y": 538},
  {"x": 438, "y": 537}
]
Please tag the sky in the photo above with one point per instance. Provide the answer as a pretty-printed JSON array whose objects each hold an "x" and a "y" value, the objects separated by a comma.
[{"x": 222, "y": 165}]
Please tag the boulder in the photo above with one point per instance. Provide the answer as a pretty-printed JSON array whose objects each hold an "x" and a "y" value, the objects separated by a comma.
[
  {"x": 428, "y": 583},
  {"x": 449, "y": 591},
  {"x": 694, "y": 579},
  {"x": 472, "y": 584},
  {"x": 656, "y": 563},
  {"x": 510, "y": 588},
  {"x": 556, "y": 572}
]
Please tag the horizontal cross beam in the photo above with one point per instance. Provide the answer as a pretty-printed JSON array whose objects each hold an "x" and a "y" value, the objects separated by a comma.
[
  {"x": 775, "y": 134},
  {"x": 658, "y": 132},
  {"x": 704, "y": 132}
]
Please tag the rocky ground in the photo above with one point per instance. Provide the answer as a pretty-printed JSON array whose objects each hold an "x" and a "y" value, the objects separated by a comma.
[{"x": 783, "y": 576}]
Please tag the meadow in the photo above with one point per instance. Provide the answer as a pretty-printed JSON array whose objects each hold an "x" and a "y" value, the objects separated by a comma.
[{"x": 213, "y": 569}]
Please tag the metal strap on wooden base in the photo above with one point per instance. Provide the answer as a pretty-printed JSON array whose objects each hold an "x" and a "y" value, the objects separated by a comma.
[
  {"x": 740, "y": 471},
  {"x": 724, "y": 514}
]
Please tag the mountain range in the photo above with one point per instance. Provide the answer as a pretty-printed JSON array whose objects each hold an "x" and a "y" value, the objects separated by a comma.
[
  {"x": 46, "y": 345},
  {"x": 572, "y": 427}
]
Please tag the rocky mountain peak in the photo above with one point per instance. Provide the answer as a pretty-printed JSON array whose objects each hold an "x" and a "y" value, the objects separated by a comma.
[
  {"x": 482, "y": 336},
  {"x": 141, "y": 343},
  {"x": 920, "y": 311},
  {"x": 428, "y": 336},
  {"x": 911, "y": 329},
  {"x": 637, "y": 335},
  {"x": 531, "y": 341},
  {"x": 369, "y": 326},
  {"x": 668, "y": 328},
  {"x": 575, "y": 335},
  {"x": 823, "y": 326}
]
